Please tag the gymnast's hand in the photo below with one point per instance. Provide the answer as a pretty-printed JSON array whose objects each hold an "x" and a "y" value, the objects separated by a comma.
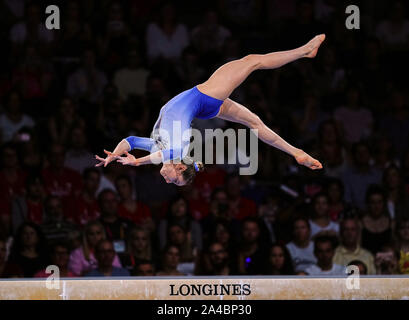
[
  {"x": 110, "y": 157},
  {"x": 305, "y": 159},
  {"x": 129, "y": 159}
]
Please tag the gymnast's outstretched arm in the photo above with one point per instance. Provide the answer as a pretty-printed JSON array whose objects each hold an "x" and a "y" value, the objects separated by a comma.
[{"x": 127, "y": 144}]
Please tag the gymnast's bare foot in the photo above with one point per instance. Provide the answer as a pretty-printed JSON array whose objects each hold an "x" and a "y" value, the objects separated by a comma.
[
  {"x": 312, "y": 46},
  {"x": 305, "y": 159}
]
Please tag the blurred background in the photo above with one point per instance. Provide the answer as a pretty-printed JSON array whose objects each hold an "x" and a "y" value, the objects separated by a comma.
[{"x": 65, "y": 95}]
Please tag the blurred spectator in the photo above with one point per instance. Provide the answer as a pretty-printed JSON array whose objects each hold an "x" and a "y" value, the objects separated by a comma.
[
  {"x": 178, "y": 213},
  {"x": 131, "y": 80},
  {"x": 395, "y": 123},
  {"x": 252, "y": 255},
  {"x": 209, "y": 36},
  {"x": 337, "y": 205},
  {"x": 83, "y": 260},
  {"x": 60, "y": 255},
  {"x": 13, "y": 119},
  {"x": 29, "y": 250},
  {"x": 105, "y": 254},
  {"x": 177, "y": 236},
  {"x": 85, "y": 207},
  {"x": 215, "y": 261},
  {"x": 221, "y": 233},
  {"x": 301, "y": 248},
  {"x": 167, "y": 37},
  {"x": 13, "y": 182},
  {"x": 33, "y": 77},
  {"x": 114, "y": 42},
  {"x": 31, "y": 29},
  {"x": 189, "y": 70},
  {"x": 360, "y": 175},
  {"x": 218, "y": 210},
  {"x": 397, "y": 196},
  {"x": 377, "y": 225},
  {"x": 350, "y": 249},
  {"x": 331, "y": 150},
  {"x": 383, "y": 153},
  {"x": 130, "y": 208},
  {"x": 139, "y": 247},
  {"x": 55, "y": 227},
  {"x": 280, "y": 261},
  {"x": 239, "y": 207},
  {"x": 116, "y": 227},
  {"x": 320, "y": 220},
  {"x": 209, "y": 179},
  {"x": 29, "y": 207},
  {"x": 394, "y": 31},
  {"x": 387, "y": 260},
  {"x": 356, "y": 120},
  {"x": 87, "y": 82},
  {"x": 198, "y": 205},
  {"x": 8, "y": 269},
  {"x": 363, "y": 270},
  {"x": 310, "y": 120},
  {"x": 324, "y": 250},
  {"x": 58, "y": 179},
  {"x": 267, "y": 213},
  {"x": 170, "y": 262},
  {"x": 402, "y": 230},
  {"x": 78, "y": 156},
  {"x": 144, "y": 268}
]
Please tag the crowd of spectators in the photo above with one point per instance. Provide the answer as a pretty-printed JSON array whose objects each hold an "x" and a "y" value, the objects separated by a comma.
[{"x": 68, "y": 94}]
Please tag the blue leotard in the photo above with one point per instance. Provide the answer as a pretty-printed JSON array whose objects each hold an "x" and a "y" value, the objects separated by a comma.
[{"x": 171, "y": 132}]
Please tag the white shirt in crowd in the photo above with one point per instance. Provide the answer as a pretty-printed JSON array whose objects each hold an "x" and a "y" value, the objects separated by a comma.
[
  {"x": 336, "y": 270},
  {"x": 9, "y": 128},
  {"x": 315, "y": 228},
  {"x": 302, "y": 257},
  {"x": 160, "y": 44}
]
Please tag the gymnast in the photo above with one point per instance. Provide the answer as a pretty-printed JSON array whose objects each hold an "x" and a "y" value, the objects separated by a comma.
[{"x": 208, "y": 100}]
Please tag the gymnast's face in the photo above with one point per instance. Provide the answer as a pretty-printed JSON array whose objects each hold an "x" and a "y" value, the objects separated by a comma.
[{"x": 172, "y": 173}]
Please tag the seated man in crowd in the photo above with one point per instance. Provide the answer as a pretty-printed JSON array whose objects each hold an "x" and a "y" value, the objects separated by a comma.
[
  {"x": 105, "y": 255},
  {"x": 350, "y": 248},
  {"x": 324, "y": 250},
  {"x": 144, "y": 268}
]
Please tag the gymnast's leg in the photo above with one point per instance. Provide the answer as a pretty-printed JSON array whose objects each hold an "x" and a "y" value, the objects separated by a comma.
[
  {"x": 230, "y": 75},
  {"x": 235, "y": 112}
]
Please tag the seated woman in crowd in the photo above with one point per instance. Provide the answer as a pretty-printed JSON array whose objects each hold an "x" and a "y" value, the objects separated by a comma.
[
  {"x": 376, "y": 223},
  {"x": 178, "y": 213},
  {"x": 29, "y": 249},
  {"x": 170, "y": 262},
  {"x": 280, "y": 261},
  {"x": 82, "y": 260},
  {"x": 180, "y": 238},
  {"x": 320, "y": 221},
  {"x": 336, "y": 203},
  {"x": 60, "y": 255},
  {"x": 138, "y": 248},
  {"x": 396, "y": 194},
  {"x": 301, "y": 248}
]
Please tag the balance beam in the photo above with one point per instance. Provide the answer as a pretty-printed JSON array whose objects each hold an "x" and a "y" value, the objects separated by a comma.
[{"x": 207, "y": 288}]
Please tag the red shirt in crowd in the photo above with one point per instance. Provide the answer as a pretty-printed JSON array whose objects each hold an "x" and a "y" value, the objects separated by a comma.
[
  {"x": 243, "y": 208},
  {"x": 81, "y": 211},
  {"x": 138, "y": 216},
  {"x": 64, "y": 183},
  {"x": 35, "y": 212}
]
